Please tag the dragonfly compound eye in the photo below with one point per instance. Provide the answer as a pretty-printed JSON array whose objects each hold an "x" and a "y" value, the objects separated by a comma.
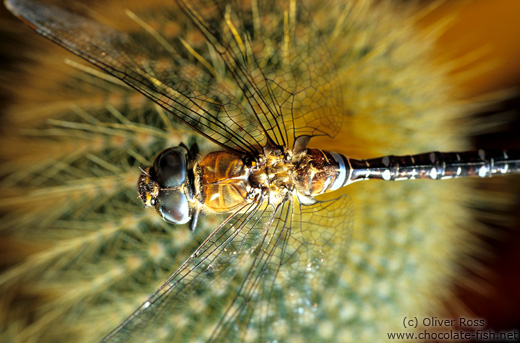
[
  {"x": 173, "y": 206},
  {"x": 170, "y": 167}
]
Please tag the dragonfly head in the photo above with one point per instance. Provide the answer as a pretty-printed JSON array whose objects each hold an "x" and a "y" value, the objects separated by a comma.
[
  {"x": 166, "y": 186},
  {"x": 147, "y": 189}
]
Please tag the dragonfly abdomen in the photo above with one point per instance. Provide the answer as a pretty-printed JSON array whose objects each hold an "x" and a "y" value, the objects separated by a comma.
[
  {"x": 321, "y": 171},
  {"x": 436, "y": 165},
  {"x": 335, "y": 170}
]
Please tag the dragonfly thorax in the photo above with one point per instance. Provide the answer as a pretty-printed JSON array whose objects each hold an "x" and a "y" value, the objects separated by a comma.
[{"x": 275, "y": 175}]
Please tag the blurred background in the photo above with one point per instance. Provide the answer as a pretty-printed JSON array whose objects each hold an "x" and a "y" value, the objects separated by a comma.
[{"x": 492, "y": 27}]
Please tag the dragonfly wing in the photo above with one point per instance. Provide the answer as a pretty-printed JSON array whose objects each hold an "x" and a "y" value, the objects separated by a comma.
[
  {"x": 241, "y": 83},
  {"x": 167, "y": 73},
  {"x": 292, "y": 277},
  {"x": 194, "y": 296},
  {"x": 277, "y": 57},
  {"x": 261, "y": 276}
]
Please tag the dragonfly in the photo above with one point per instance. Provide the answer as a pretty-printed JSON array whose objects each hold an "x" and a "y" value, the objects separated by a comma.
[{"x": 257, "y": 90}]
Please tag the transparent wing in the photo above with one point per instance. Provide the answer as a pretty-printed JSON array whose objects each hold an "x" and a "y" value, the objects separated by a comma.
[
  {"x": 276, "y": 56},
  {"x": 241, "y": 74},
  {"x": 261, "y": 276}
]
